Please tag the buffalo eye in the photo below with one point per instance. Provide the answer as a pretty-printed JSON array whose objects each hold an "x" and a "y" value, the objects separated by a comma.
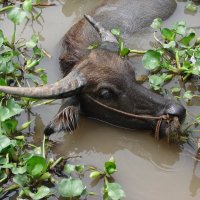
[{"x": 106, "y": 93}]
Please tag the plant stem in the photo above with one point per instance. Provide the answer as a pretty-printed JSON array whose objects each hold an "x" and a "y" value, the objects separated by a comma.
[
  {"x": 11, "y": 187},
  {"x": 6, "y": 8},
  {"x": 43, "y": 147},
  {"x": 13, "y": 36},
  {"x": 56, "y": 162},
  {"x": 178, "y": 61},
  {"x": 137, "y": 51}
]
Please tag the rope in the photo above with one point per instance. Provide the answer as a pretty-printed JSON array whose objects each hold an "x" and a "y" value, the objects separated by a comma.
[{"x": 159, "y": 118}]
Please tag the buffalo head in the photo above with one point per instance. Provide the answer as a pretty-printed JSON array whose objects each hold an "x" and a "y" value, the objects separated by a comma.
[{"x": 102, "y": 86}]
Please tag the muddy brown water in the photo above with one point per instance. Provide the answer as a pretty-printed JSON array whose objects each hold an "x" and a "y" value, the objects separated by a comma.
[{"x": 147, "y": 169}]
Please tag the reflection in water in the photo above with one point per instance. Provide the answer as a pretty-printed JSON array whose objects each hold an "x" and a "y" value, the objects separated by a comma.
[
  {"x": 78, "y": 7},
  {"x": 195, "y": 180}
]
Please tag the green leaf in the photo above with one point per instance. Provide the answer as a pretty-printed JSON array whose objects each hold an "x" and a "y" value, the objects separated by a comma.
[
  {"x": 4, "y": 142},
  {"x": 44, "y": 78},
  {"x": 176, "y": 90},
  {"x": 188, "y": 95},
  {"x": 114, "y": 191},
  {"x": 14, "y": 108},
  {"x": 11, "y": 110},
  {"x": 93, "y": 46},
  {"x": 36, "y": 166},
  {"x": 169, "y": 45},
  {"x": 21, "y": 179},
  {"x": 25, "y": 125},
  {"x": 27, "y": 5},
  {"x": 197, "y": 54},
  {"x": 79, "y": 168},
  {"x": 186, "y": 40},
  {"x": 70, "y": 187},
  {"x": 180, "y": 27},
  {"x": 157, "y": 23},
  {"x": 42, "y": 192},
  {"x": 116, "y": 31},
  {"x": 95, "y": 174},
  {"x": 3, "y": 175},
  {"x": 3, "y": 160},
  {"x": 168, "y": 34},
  {"x": 10, "y": 125},
  {"x": 191, "y": 7},
  {"x": 124, "y": 52},
  {"x": 33, "y": 42},
  {"x": 1, "y": 38},
  {"x": 3, "y": 82},
  {"x": 18, "y": 170},
  {"x": 156, "y": 81},
  {"x": 68, "y": 169},
  {"x": 151, "y": 59},
  {"x": 17, "y": 15},
  {"x": 110, "y": 167},
  {"x": 32, "y": 63}
]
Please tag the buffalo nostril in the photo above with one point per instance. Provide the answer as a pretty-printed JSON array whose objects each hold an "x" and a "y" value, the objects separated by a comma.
[{"x": 176, "y": 110}]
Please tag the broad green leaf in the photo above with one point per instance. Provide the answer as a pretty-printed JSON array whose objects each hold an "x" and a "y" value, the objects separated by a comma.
[
  {"x": 110, "y": 167},
  {"x": 151, "y": 59},
  {"x": 14, "y": 108},
  {"x": 180, "y": 27},
  {"x": 116, "y": 32},
  {"x": 114, "y": 191},
  {"x": 156, "y": 81},
  {"x": 197, "y": 54},
  {"x": 4, "y": 113},
  {"x": 36, "y": 166},
  {"x": 17, "y": 15},
  {"x": 186, "y": 40},
  {"x": 68, "y": 169},
  {"x": 10, "y": 125},
  {"x": 70, "y": 187},
  {"x": 191, "y": 7},
  {"x": 27, "y": 5},
  {"x": 21, "y": 179},
  {"x": 157, "y": 23},
  {"x": 18, "y": 170},
  {"x": 2, "y": 82},
  {"x": 10, "y": 110},
  {"x": 33, "y": 42},
  {"x": 188, "y": 95},
  {"x": 42, "y": 192},
  {"x": 168, "y": 34},
  {"x": 3, "y": 160},
  {"x": 4, "y": 142}
]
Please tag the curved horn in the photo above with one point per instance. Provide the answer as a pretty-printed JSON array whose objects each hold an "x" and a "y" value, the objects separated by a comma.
[
  {"x": 66, "y": 87},
  {"x": 106, "y": 35}
]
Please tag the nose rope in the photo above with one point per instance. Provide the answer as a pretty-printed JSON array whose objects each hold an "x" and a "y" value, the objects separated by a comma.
[{"x": 159, "y": 118}]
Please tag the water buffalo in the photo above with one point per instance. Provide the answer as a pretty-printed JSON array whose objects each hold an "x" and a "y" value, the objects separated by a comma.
[{"x": 100, "y": 83}]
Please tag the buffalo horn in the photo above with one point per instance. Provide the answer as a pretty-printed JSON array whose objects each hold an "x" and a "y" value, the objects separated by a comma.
[
  {"x": 66, "y": 87},
  {"x": 106, "y": 35}
]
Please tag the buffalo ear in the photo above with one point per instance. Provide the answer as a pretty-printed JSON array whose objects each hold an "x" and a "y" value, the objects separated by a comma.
[{"x": 66, "y": 120}]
